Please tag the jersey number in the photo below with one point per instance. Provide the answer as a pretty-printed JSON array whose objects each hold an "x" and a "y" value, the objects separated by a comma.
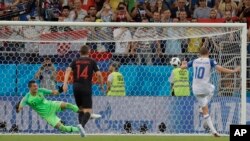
[
  {"x": 199, "y": 72},
  {"x": 82, "y": 73}
]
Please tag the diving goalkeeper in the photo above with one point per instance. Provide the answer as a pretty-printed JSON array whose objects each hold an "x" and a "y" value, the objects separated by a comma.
[{"x": 47, "y": 109}]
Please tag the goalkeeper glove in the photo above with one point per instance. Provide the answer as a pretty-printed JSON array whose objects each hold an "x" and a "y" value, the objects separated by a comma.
[
  {"x": 60, "y": 88},
  {"x": 17, "y": 106}
]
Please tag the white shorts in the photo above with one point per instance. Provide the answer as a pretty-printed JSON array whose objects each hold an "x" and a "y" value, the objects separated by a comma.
[
  {"x": 203, "y": 99},
  {"x": 203, "y": 88},
  {"x": 204, "y": 95}
]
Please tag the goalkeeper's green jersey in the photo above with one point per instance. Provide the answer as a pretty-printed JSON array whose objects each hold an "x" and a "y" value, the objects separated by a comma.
[{"x": 38, "y": 102}]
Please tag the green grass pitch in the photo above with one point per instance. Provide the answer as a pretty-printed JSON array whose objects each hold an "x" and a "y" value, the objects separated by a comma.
[{"x": 108, "y": 138}]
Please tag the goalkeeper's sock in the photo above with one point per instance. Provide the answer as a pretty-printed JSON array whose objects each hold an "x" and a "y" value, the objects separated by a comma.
[
  {"x": 207, "y": 119},
  {"x": 85, "y": 119},
  {"x": 72, "y": 107},
  {"x": 68, "y": 129}
]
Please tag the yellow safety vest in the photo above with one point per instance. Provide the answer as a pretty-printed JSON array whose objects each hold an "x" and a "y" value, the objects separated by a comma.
[
  {"x": 181, "y": 82},
  {"x": 117, "y": 85}
]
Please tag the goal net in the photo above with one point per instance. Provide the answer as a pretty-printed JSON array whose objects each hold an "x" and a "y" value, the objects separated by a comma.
[{"x": 42, "y": 50}]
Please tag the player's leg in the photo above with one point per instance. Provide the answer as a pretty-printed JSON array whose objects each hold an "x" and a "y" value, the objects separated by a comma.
[
  {"x": 208, "y": 120},
  {"x": 75, "y": 109},
  {"x": 78, "y": 94},
  {"x": 203, "y": 101},
  {"x": 83, "y": 100},
  {"x": 62, "y": 105},
  {"x": 69, "y": 106},
  {"x": 55, "y": 122},
  {"x": 206, "y": 111},
  {"x": 210, "y": 90},
  {"x": 70, "y": 129},
  {"x": 86, "y": 108},
  {"x": 208, "y": 99},
  {"x": 78, "y": 97}
]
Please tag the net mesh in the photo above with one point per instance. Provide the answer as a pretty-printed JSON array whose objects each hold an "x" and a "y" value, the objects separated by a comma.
[
  {"x": 144, "y": 54},
  {"x": 76, "y": 34}
]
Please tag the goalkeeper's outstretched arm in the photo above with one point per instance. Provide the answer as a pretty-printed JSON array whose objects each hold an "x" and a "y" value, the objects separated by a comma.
[
  {"x": 53, "y": 92},
  {"x": 56, "y": 92}
]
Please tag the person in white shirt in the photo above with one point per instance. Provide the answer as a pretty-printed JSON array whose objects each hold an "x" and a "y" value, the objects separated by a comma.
[
  {"x": 123, "y": 46},
  {"x": 146, "y": 43},
  {"x": 78, "y": 13},
  {"x": 202, "y": 11},
  {"x": 166, "y": 16},
  {"x": 65, "y": 15},
  {"x": 123, "y": 35}
]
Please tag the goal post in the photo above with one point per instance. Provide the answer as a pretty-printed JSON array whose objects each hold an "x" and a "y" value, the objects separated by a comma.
[
  {"x": 244, "y": 74},
  {"x": 144, "y": 51}
]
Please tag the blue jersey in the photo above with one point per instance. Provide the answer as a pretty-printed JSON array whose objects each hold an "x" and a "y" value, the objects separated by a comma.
[{"x": 201, "y": 74}]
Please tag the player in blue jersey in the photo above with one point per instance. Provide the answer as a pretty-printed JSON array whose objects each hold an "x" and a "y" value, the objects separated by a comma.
[{"x": 202, "y": 88}]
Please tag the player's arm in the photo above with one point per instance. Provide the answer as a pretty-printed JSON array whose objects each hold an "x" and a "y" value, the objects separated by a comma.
[
  {"x": 66, "y": 78},
  {"x": 98, "y": 74},
  {"x": 171, "y": 80},
  {"x": 100, "y": 79},
  {"x": 67, "y": 75},
  {"x": 222, "y": 69},
  {"x": 108, "y": 86},
  {"x": 58, "y": 91},
  {"x": 225, "y": 70},
  {"x": 53, "y": 92}
]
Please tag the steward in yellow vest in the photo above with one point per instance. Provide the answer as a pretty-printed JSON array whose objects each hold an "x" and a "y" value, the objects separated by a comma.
[
  {"x": 115, "y": 84},
  {"x": 179, "y": 80}
]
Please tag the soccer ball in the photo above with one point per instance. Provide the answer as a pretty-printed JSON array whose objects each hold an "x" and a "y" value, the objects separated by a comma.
[{"x": 175, "y": 61}]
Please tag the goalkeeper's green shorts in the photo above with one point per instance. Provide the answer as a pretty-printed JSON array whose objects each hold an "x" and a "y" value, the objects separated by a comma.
[{"x": 52, "y": 118}]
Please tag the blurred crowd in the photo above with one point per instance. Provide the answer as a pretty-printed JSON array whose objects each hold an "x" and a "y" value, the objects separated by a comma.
[{"x": 126, "y": 10}]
